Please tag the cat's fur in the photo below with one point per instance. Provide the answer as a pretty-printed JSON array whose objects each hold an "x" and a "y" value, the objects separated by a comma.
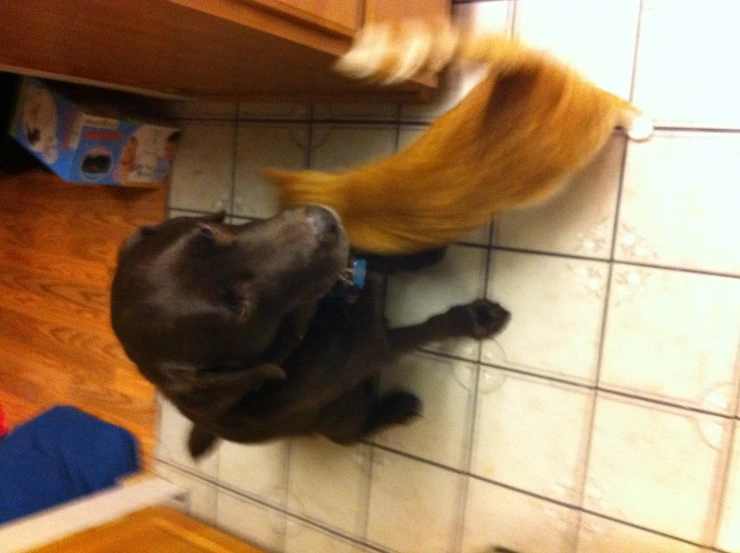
[{"x": 513, "y": 140}]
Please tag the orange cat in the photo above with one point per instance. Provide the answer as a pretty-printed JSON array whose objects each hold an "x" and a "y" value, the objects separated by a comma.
[{"x": 514, "y": 139}]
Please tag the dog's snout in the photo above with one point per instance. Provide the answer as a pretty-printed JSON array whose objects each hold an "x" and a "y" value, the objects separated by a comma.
[{"x": 324, "y": 221}]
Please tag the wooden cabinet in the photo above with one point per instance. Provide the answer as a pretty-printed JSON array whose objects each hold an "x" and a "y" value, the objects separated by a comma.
[
  {"x": 205, "y": 49},
  {"x": 156, "y": 529},
  {"x": 343, "y": 17}
]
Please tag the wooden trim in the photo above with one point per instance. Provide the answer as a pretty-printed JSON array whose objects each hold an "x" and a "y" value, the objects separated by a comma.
[
  {"x": 260, "y": 19},
  {"x": 390, "y": 10},
  {"x": 309, "y": 18},
  {"x": 195, "y": 49},
  {"x": 91, "y": 511},
  {"x": 161, "y": 529},
  {"x": 90, "y": 82}
]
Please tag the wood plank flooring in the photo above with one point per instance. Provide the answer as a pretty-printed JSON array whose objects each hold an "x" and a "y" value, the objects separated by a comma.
[{"x": 58, "y": 245}]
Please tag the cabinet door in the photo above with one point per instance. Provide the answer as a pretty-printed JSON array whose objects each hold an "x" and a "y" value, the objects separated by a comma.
[
  {"x": 340, "y": 16},
  {"x": 157, "y": 529}
]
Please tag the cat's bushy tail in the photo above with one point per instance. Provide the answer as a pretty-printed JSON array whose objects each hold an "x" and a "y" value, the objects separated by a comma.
[
  {"x": 390, "y": 53},
  {"x": 394, "y": 52}
]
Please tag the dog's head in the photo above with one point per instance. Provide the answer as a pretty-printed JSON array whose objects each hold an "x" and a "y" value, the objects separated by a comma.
[{"x": 197, "y": 296}]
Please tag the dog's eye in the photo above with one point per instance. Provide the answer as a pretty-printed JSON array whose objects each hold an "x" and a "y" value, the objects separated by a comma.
[
  {"x": 236, "y": 305},
  {"x": 216, "y": 235}
]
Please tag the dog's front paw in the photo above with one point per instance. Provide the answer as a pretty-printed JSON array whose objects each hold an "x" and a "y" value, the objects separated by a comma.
[{"x": 479, "y": 319}]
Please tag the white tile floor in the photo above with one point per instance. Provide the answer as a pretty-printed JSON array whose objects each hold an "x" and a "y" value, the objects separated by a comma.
[{"x": 605, "y": 418}]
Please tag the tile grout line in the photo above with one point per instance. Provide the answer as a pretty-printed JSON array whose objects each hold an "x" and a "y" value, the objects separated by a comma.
[
  {"x": 462, "y": 511},
  {"x": 589, "y": 442},
  {"x": 540, "y": 497},
  {"x": 377, "y": 381},
  {"x": 288, "y": 456},
  {"x": 467, "y": 460},
  {"x": 204, "y": 478},
  {"x": 713, "y": 520},
  {"x": 585, "y": 464},
  {"x": 583, "y": 510},
  {"x": 677, "y": 269},
  {"x": 241, "y": 494},
  {"x": 636, "y": 53},
  {"x": 576, "y": 257},
  {"x": 376, "y": 386},
  {"x": 168, "y": 184},
  {"x": 589, "y": 445},
  {"x": 229, "y": 215},
  {"x": 596, "y": 388},
  {"x": 473, "y": 410},
  {"x": 736, "y": 399},
  {"x": 525, "y": 251},
  {"x": 285, "y": 496},
  {"x": 357, "y": 123},
  {"x": 717, "y": 510},
  {"x": 696, "y": 129},
  {"x": 234, "y": 157},
  {"x": 424, "y": 123}
]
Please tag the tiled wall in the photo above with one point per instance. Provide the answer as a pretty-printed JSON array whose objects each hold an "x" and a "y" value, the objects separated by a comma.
[{"x": 605, "y": 418}]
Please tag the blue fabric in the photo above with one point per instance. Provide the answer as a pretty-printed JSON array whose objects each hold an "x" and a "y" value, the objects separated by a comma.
[{"x": 61, "y": 455}]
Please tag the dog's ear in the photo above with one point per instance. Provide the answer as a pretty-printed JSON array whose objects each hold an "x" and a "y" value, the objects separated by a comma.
[
  {"x": 217, "y": 217},
  {"x": 148, "y": 230},
  {"x": 182, "y": 378},
  {"x": 200, "y": 441},
  {"x": 210, "y": 393},
  {"x": 214, "y": 392}
]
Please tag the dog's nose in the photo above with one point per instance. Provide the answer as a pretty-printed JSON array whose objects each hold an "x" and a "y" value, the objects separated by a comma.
[{"x": 324, "y": 221}]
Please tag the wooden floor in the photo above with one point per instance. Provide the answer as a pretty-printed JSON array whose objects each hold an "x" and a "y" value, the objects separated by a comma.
[{"x": 58, "y": 245}]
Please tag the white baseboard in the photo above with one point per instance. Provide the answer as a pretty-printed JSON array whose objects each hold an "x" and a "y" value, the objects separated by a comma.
[{"x": 87, "y": 512}]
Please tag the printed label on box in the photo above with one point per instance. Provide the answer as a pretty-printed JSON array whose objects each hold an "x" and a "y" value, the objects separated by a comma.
[{"x": 83, "y": 147}]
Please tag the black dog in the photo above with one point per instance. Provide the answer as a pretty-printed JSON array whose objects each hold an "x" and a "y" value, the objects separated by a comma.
[{"x": 233, "y": 325}]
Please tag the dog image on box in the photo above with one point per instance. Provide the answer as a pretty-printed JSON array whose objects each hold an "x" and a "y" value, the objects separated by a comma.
[{"x": 40, "y": 123}]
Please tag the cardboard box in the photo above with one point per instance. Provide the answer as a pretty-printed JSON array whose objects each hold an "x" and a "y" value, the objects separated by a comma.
[{"x": 92, "y": 136}]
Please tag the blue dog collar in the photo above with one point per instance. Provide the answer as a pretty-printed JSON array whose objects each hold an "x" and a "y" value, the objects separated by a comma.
[
  {"x": 350, "y": 284},
  {"x": 359, "y": 270}
]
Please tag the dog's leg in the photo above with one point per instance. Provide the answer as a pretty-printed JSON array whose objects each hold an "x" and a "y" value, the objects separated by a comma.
[
  {"x": 357, "y": 414},
  {"x": 397, "y": 407},
  {"x": 368, "y": 310},
  {"x": 479, "y": 319},
  {"x": 342, "y": 420}
]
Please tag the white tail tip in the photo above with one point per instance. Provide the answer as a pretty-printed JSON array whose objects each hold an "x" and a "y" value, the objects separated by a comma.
[{"x": 641, "y": 128}]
